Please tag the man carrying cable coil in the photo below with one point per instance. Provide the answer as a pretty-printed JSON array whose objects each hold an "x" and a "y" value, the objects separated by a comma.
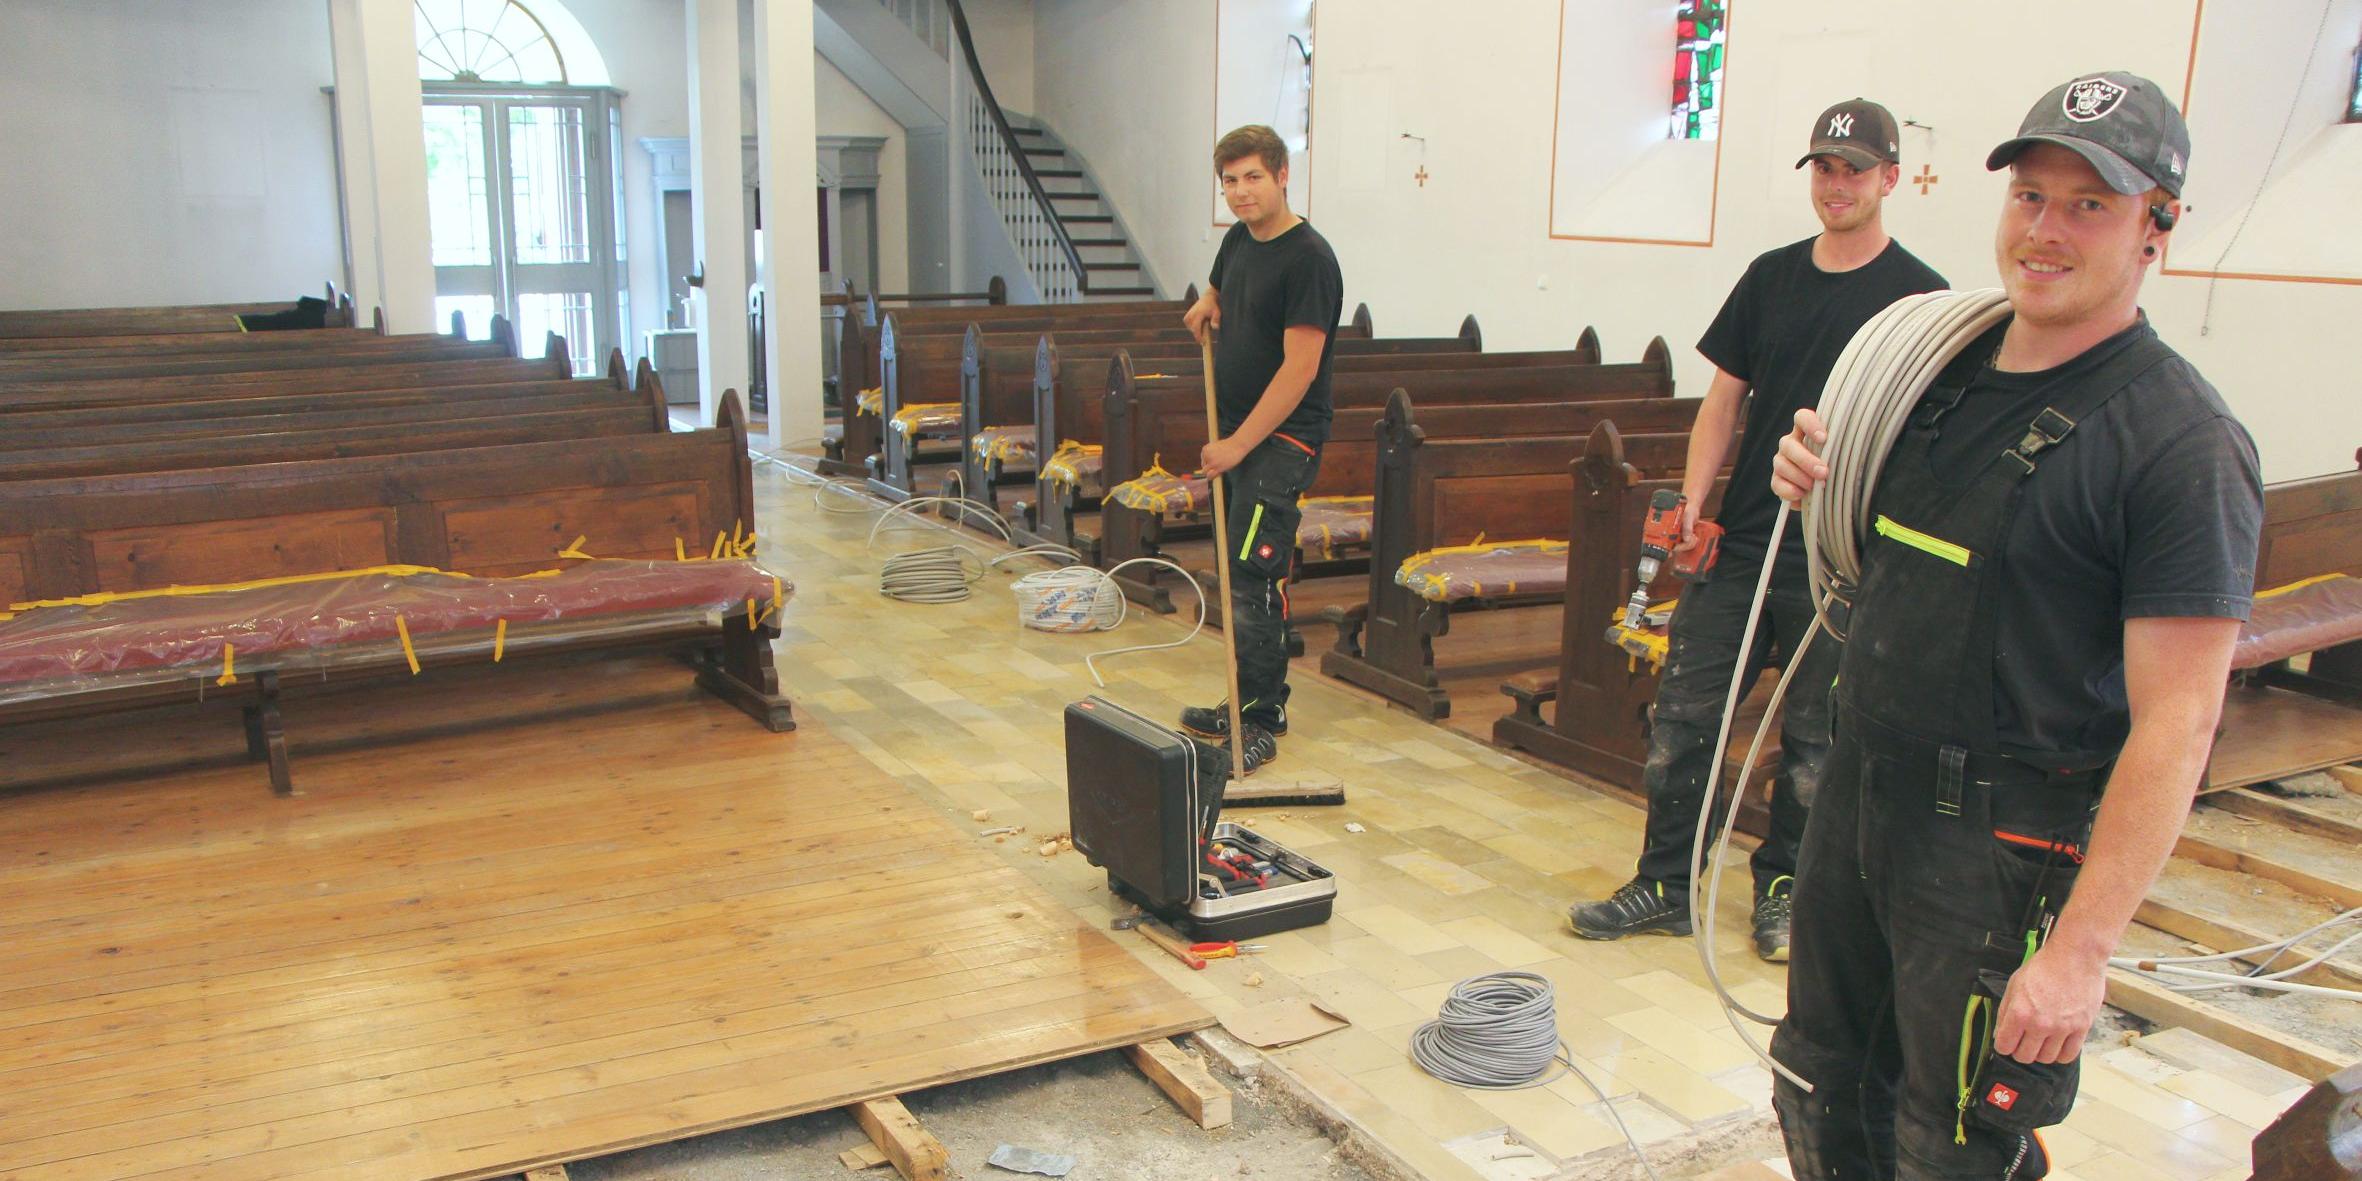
[
  {"x": 1772, "y": 345},
  {"x": 1276, "y": 294},
  {"x": 2063, "y": 547}
]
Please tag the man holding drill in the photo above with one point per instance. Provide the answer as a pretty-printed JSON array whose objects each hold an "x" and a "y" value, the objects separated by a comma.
[
  {"x": 2034, "y": 664},
  {"x": 1777, "y": 336}
]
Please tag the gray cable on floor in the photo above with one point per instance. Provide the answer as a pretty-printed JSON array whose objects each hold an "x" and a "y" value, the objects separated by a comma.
[
  {"x": 1499, "y": 1032},
  {"x": 938, "y": 575}
]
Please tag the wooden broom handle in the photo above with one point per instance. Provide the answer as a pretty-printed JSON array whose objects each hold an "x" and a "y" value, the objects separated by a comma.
[{"x": 1238, "y": 731}]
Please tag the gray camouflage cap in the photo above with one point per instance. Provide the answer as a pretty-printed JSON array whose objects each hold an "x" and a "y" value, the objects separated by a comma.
[{"x": 2119, "y": 121}]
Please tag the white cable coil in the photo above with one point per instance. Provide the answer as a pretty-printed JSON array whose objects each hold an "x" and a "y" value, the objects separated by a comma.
[{"x": 1071, "y": 599}]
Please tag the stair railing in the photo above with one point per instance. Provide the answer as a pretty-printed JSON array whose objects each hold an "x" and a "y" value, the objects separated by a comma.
[{"x": 1043, "y": 245}]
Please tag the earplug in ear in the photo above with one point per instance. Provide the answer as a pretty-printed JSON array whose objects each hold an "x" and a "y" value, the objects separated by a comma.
[{"x": 2151, "y": 251}]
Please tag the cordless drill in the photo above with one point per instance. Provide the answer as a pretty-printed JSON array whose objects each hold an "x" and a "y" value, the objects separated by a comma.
[{"x": 1660, "y": 535}]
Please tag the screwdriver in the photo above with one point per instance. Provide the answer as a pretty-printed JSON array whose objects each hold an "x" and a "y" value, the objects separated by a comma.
[{"x": 1227, "y": 949}]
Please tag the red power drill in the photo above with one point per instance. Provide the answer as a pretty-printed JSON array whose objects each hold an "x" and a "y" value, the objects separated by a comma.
[{"x": 1660, "y": 535}]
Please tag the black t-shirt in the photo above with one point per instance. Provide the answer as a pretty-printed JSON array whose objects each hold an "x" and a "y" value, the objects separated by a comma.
[
  {"x": 2152, "y": 507},
  {"x": 1267, "y": 288},
  {"x": 1780, "y": 330}
]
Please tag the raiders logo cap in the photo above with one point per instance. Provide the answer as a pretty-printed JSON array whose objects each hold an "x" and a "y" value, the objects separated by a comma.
[
  {"x": 2119, "y": 121},
  {"x": 1857, "y": 131}
]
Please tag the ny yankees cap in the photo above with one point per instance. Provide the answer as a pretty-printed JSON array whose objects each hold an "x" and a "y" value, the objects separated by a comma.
[
  {"x": 1857, "y": 131},
  {"x": 2120, "y": 122}
]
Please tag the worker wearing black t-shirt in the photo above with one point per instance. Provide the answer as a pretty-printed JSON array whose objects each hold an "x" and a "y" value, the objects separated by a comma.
[
  {"x": 2034, "y": 664},
  {"x": 1772, "y": 346},
  {"x": 1275, "y": 293}
]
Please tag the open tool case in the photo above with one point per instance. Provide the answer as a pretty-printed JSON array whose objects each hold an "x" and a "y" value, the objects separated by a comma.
[{"x": 1145, "y": 805}]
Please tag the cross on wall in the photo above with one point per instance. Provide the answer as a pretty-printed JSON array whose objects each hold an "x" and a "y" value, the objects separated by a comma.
[
  {"x": 1926, "y": 178},
  {"x": 1421, "y": 175}
]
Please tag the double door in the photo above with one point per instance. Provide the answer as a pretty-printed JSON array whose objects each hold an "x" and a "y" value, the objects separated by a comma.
[{"x": 524, "y": 213}]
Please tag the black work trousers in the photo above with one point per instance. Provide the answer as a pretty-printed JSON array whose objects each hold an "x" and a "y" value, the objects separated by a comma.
[
  {"x": 1901, "y": 908},
  {"x": 1700, "y": 652},
  {"x": 1263, "y": 492}
]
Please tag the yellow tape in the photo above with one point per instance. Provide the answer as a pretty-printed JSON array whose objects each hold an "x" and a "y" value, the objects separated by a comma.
[
  {"x": 499, "y": 639},
  {"x": 871, "y": 400},
  {"x": 751, "y": 617},
  {"x": 1060, "y": 467},
  {"x": 574, "y": 550},
  {"x": 680, "y": 551},
  {"x": 2300, "y": 585},
  {"x": 908, "y": 419},
  {"x": 229, "y": 665},
  {"x": 408, "y": 653},
  {"x": 1413, "y": 572},
  {"x": 720, "y": 539},
  {"x": 105, "y": 597},
  {"x": 1001, "y": 443}
]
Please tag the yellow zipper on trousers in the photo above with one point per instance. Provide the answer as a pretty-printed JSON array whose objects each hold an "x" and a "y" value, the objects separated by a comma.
[
  {"x": 1253, "y": 523},
  {"x": 1956, "y": 554}
]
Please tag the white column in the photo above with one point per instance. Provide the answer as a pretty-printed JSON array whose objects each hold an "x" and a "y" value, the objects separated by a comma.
[
  {"x": 790, "y": 265},
  {"x": 381, "y": 141},
  {"x": 717, "y": 204}
]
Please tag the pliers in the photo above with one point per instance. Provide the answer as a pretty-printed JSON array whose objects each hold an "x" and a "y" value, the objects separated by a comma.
[{"x": 1226, "y": 949}]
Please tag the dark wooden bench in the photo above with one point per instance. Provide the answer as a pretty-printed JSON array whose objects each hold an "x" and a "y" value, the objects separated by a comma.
[
  {"x": 122, "y": 394},
  {"x": 20, "y": 369},
  {"x": 861, "y": 366},
  {"x": 2279, "y": 720},
  {"x": 487, "y": 511},
  {"x": 1165, "y": 418},
  {"x": 324, "y": 426},
  {"x": 189, "y": 318}
]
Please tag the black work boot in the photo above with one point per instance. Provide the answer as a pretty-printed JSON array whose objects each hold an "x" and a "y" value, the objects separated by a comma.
[
  {"x": 1638, "y": 907},
  {"x": 1261, "y": 750},
  {"x": 1213, "y": 721},
  {"x": 1771, "y": 920}
]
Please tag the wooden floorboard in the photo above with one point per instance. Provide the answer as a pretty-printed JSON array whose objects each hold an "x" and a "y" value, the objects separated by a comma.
[{"x": 504, "y": 927}]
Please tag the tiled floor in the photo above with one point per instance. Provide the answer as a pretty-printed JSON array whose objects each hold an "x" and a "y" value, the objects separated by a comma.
[{"x": 1464, "y": 863}]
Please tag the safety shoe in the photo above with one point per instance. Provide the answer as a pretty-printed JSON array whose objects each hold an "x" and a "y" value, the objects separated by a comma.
[
  {"x": 1213, "y": 721},
  {"x": 1638, "y": 907},
  {"x": 1261, "y": 749},
  {"x": 1771, "y": 920}
]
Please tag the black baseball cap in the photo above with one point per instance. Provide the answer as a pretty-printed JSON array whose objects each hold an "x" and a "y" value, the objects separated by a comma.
[
  {"x": 1857, "y": 131},
  {"x": 2119, "y": 121}
]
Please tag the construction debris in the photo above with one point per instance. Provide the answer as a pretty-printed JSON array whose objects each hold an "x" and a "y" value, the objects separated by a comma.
[{"x": 1027, "y": 1160}]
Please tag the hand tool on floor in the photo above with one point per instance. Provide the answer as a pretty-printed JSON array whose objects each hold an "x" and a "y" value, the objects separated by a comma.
[
  {"x": 1660, "y": 535},
  {"x": 1225, "y": 950},
  {"x": 1172, "y": 943}
]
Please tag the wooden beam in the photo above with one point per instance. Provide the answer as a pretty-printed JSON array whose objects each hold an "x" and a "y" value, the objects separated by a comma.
[
  {"x": 2348, "y": 776},
  {"x": 2216, "y": 855},
  {"x": 2287, "y": 814},
  {"x": 916, "y": 1154},
  {"x": 2154, "y": 1002},
  {"x": 867, "y": 1156},
  {"x": 1185, "y": 1080},
  {"x": 2223, "y": 934},
  {"x": 546, "y": 1173}
]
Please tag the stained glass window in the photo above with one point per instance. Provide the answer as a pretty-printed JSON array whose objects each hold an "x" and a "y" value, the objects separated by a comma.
[
  {"x": 484, "y": 41},
  {"x": 1697, "y": 68}
]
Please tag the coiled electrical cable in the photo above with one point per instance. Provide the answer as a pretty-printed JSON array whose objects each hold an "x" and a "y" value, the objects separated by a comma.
[
  {"x": 1499, "y": 1032},
  {"x": 1876, "y": 381},
  {"x": 938, "y": 575}
]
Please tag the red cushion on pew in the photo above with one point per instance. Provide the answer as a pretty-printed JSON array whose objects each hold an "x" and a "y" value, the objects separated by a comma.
[{"x": 2304, "y": 618}]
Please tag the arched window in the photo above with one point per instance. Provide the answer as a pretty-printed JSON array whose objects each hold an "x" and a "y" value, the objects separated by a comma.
[{"x": 485, "y": 41}]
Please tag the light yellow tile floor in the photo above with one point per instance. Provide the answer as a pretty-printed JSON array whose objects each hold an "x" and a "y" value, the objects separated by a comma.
[{"x": 1464, "y": 863}]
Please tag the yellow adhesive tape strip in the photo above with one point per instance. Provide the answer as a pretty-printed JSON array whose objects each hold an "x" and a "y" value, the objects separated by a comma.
[
  {"x": 499, "y": 640},
  {"x": 229, "y": 665},
  {"x": 2299, "y": 585},
  {"x": 408, "y": 653},
  {"x": 574, "y": 549}
]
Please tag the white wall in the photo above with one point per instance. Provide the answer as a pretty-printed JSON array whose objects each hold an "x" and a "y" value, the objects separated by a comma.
[
  {"x": 844, "y": 110},
  {"x": 165, "y": 151},
  {"x": 1004, "y": 32},
  {"x": 644, "y": 44},
  {"x": 1261, "y": 78},
  {"x": 1127, "y": 81}
]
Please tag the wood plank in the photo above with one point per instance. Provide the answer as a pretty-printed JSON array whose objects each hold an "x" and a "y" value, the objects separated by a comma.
[
  {"x": 655, "y": 926},
  {"x": 546, "y": 1173},
  {"x": 2205, "y": 851},
  {"x": 1184, "y": 1080},
  {"x": 914, "y": 1152},
  {"x": 2154, "y": 1002},
  {"x": 2218, "y": 933},
  {"x": 2272, "y": 733},
  {"x": 2288, "y": 814},
  {"x": 867, "y": 1156},
  {"x": 2348, "y": 776}
]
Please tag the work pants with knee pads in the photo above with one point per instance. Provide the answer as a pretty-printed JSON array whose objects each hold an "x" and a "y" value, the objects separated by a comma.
[
  {"x": 1701, "y": 649},
  {"x": 1263, "y": 494},
  {"x": 1910, "y": 913}
]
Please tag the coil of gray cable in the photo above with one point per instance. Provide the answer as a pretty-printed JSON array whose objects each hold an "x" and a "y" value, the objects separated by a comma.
[
  {"x": 937, "y": 575},
  {"x": 1499, "y": 1032}
]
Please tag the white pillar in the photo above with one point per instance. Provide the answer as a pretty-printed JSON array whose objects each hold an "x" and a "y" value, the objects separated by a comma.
[
  {"x": 381, "y": 145},
  {"x": 790, "y": 265},
  {"x": 717, "y": 204}
]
